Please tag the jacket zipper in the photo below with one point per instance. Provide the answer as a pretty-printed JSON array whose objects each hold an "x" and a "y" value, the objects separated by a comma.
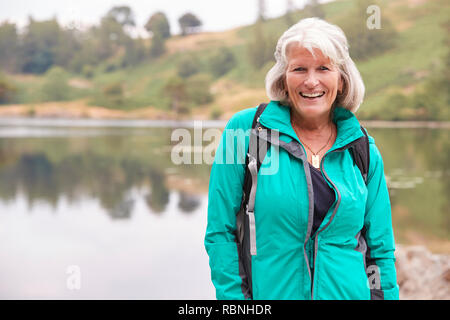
[{"x": 316, "y": 236}]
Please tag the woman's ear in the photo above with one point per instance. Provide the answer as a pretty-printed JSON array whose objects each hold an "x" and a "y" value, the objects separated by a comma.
[
  {"x": 340, "y": 85},
  {"x": 284, "y": 86}
]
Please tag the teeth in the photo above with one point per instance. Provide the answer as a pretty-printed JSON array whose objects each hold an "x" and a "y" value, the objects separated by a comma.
[{"x": 312, "y": 95}]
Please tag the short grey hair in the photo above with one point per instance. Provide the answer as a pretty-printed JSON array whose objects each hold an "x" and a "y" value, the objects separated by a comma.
[{"x": 315, "y": 33}]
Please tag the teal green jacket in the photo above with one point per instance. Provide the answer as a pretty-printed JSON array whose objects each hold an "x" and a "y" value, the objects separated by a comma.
[{"x": 351, "y": 256}]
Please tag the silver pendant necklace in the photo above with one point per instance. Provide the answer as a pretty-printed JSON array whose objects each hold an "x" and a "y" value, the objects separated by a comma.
[{"x": 315, "y": 158}]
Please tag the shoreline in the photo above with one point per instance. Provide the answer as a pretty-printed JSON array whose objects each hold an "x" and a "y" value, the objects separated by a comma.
[{"x": 78, "y": 113}]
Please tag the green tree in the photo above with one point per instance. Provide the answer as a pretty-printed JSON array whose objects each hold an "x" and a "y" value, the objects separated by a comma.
[
  {"x": 69, "y": 43},
  {"x": 198, "y": 89},
  {"x": 9, "y": 47},
  {"x": 157, "y": 47},
  {"x": 88, "y": 54},
  {"x": 222, "y": 62},
  {"x": 114, "y": 94},
  {"x": 189, "y": 23},
  {"x": 188, "y": 66},
  {"x": 158, "y": 23},
  {"x": 122, "y": 15},
  {"x": 55, "y": 86},
  {"x": 135, "y": 52},
  {"x": 38, "y": 45},
  {"x": 109, "y": 37},
  {"x": 7, "y": 90}
]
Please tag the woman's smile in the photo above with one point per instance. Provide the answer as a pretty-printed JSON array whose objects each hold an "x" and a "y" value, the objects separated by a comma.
[{"x": 312, "y": 95}]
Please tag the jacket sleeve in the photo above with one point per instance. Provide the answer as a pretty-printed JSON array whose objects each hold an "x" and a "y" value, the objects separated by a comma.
[
  {"x": 224, "y": 199},
  {"x": 379, "y": 233}
]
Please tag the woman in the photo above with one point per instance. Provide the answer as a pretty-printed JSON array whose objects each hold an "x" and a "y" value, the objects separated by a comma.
[{"x": 322, "y": 230}]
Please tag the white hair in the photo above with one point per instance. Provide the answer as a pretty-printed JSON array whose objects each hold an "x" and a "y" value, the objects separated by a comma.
[{"x": 315, "y": 33}]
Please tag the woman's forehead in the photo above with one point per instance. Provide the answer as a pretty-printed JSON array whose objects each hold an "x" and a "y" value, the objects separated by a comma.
[{"x": 296, "y": 53}]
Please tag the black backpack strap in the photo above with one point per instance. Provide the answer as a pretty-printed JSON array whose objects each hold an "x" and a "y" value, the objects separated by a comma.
[
  {"x": 244, "y": 221},
  {"x": 361, "y": 154},
  {"x": 247, "y": 177}
]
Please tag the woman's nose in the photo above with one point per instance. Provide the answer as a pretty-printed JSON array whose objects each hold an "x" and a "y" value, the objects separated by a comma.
[{"x": 311, "y": 80}]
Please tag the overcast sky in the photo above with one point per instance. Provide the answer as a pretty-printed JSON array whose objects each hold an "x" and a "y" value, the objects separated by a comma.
[{"x": 215, "y": 15}]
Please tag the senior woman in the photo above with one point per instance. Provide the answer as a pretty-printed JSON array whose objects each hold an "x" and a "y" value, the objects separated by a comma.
[{"x": 319, "y": 228}]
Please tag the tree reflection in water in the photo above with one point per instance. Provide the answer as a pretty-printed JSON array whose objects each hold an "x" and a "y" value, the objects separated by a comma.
[
  {"x": 111, "y": 168},
  {"x": 88, "y": 174},
  {"x": 188, "y": 203},
  {"x": 159, "y": 195}
]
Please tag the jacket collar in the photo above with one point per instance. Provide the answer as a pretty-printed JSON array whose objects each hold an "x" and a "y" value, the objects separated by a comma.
[{"x": 278, "y": 117}]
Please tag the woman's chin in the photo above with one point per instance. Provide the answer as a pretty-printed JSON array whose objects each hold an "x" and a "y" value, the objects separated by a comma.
[{"x": 313, "y": 109}]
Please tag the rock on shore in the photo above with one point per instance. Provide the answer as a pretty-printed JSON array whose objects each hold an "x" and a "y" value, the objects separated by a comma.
[{"x": 422, "y": 274}]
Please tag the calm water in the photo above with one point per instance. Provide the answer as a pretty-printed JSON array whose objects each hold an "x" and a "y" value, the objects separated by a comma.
[{"x": 107, "y": 202}]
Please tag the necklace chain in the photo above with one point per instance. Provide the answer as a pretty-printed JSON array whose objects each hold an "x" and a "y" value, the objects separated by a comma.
[
  {"x": 328, "y": 141},
  {"x": 315, "y": 158}
]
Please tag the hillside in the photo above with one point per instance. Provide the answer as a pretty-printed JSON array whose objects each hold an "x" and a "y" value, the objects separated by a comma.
[{"x": 394, "y": 79}]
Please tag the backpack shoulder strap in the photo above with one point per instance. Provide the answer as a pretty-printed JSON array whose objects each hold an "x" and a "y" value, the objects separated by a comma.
[
  {"x": 245, "y": 218},
  {"x": 361, "y": 154},
  {"x": 253, "y": 143}
]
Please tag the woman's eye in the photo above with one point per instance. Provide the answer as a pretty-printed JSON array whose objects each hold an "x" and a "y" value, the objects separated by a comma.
[
  {"x": 299, "y": 69},
  {"x": 323, "y": 68}
]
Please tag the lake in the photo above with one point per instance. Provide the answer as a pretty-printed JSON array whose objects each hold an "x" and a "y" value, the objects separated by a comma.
[{"x": 98, "y": 209}]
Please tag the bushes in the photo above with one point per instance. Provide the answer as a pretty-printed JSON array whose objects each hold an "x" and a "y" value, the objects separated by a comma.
[
  {"x": 364, "y": 42},
  {"x": 222, "y": 62},
  {"x": 425, "y": 104},
  {"x": 7, "y": 91},
  {"x": 111, "y": 95},
  {"x": 197, "y": 88},
  {"x": 55, "y": 87},
  {"x": 114, "y": 94},
  {"x": 188, "y": 66},
  {"x": 185, "y": 94}
]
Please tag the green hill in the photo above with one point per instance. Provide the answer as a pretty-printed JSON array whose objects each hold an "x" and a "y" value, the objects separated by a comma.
[{"x": 404, "y": 82}]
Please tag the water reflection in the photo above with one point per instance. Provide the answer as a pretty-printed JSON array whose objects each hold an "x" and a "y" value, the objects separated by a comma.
[
  {"x": 188, "y": 203},
  {"x": 104, "y": 168},
  {"x": 418, "y": 175},
  {"x": 109, "y": 166}
]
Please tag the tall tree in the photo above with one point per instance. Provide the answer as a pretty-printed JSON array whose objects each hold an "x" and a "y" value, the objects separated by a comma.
[
  {"x": 38, "y": 45},
  {"x": 69, "y": 44},
  {"x": 123, "y": 15},
  {"x": 158, "y": 23},
  {"x": 157, "y": 47},
  {"x": 109, "y": 36},
  {"x": 9, "y": 46},
  {"x": 189, "y": 23}
]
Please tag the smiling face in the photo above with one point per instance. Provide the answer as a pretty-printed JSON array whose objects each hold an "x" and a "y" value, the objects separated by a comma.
[{"x": 312, "y": 82}]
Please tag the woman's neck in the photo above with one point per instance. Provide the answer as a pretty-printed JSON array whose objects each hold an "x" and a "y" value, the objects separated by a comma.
[{"x": 312, "y": 128}]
